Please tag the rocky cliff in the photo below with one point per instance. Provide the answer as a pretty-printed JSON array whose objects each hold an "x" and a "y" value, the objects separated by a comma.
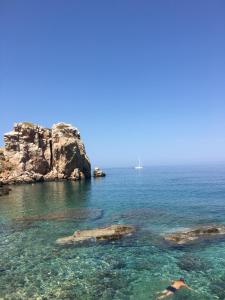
[{"x": 34, "y": 153}]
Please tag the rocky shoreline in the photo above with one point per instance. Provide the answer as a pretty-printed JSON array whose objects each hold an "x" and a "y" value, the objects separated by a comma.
[{"x": 33, "y": 153}]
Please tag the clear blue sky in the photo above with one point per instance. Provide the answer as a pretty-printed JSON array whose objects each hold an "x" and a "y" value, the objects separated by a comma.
[{"x": 138, "y": 78}]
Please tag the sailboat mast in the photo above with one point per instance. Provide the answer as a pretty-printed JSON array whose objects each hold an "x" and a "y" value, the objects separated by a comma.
[{"x": 139, "y": 166}]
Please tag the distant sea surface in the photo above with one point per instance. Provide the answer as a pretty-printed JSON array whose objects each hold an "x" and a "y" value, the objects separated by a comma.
[{"x": 156, "y": 200}]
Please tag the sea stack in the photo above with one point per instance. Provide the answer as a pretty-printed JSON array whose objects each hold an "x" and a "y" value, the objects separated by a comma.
[{"x": 34, "y": 153}]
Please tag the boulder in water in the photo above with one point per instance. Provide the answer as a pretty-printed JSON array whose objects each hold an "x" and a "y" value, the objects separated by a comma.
[
  {"x": 98, "y": 173},
  {"x": 112, "y": 232},
  {"x": 203, "y": 232}
]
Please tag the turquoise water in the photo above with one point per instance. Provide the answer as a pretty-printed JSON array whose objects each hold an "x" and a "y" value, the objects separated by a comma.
[{"x": 156, "y": 200}]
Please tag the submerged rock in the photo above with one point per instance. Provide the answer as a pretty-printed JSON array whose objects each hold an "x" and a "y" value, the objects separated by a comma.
[
  {"x": 138, "y": 216},
  {"x": 72, "y": 213},
  {"x": 98, "y": 173},
  {"x": 112, "y": 232},
  {"x": 191, "y": 262},
  {"x": 15, "y": 227},
  {"x": 217, "y": 286},
  {"x": 4, "y": 189},
  {"x": 203, "y": 232},
  {"x": 33, "y": 153},
  {"x": 141, "y": 214}
]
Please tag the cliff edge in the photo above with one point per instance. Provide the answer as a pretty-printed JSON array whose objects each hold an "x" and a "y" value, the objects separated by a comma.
[{"x": 34, "y": 153}]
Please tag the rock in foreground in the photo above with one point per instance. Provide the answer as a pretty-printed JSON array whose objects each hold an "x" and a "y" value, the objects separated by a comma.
[
  {"x": 204, "y": 232},
  {"x": 98, "y": 173},
  {"x": 33, "y": 153},
  {"x": 112, "y": 232}
]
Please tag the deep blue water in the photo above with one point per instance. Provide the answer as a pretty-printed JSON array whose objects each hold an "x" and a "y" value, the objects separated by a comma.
[{"x": 156, "y": 200}]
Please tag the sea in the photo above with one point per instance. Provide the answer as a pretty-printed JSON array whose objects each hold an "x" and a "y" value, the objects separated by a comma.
[{"x": 156, "y": 200}]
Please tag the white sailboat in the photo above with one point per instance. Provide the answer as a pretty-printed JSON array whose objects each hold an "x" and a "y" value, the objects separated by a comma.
[{"x": 139, "y": 165}]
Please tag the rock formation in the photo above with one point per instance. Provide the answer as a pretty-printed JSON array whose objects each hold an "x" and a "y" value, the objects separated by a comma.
[
  {"x": 33, "y": 153},
  {"x": 98, "y": 173},
  {"x": 112, "y": 232},
  {"x": 203, "y": 232}
]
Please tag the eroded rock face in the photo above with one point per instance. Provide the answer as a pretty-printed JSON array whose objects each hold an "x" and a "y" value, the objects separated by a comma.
[
  {"x": 34, "y": 153},
  {"x": 204, "y": 232},
  {"x": 107, "y": 233}
]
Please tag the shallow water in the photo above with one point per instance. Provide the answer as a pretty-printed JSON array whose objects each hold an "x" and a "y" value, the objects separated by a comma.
[{"x": 156, "y": 200}]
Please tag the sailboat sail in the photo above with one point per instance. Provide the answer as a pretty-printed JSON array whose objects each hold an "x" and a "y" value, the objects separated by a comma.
[{"x": 139, "y": 165}]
